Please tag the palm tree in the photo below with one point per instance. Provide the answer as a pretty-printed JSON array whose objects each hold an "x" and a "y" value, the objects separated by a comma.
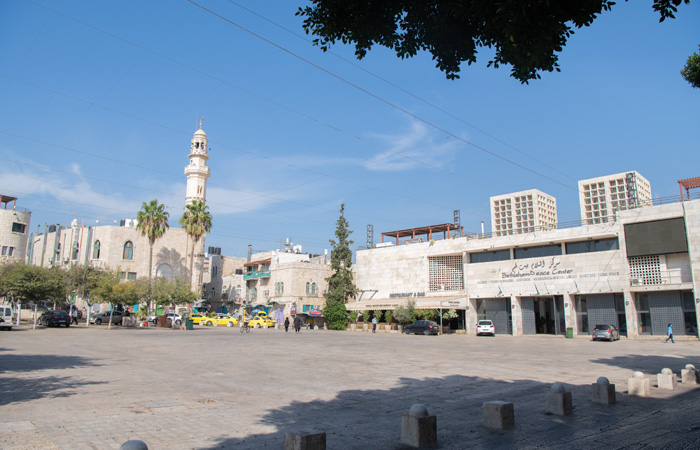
[
  {"x": 153, "y": 222},
  {"x": 196, "y": 221}
]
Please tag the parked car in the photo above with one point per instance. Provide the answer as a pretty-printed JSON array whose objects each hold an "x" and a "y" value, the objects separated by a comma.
[
  {"x": 172, "y": 316},
  {"x": 485, "y": 327},
  {"x": 104, "y": 317},
  {"x": 197, "y": 318},
  {"x": 426, "y": 327},
  {"x": 220, "y": 320},
  {"x": 606, "y": 332},
  {"x": 260, "y": 321},
  {"x": 54, "y": 317}
]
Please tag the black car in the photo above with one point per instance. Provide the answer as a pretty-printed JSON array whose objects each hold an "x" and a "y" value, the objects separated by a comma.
[
  {"x": 426, "y": 327},
  {"x": 54, "y": 317}
]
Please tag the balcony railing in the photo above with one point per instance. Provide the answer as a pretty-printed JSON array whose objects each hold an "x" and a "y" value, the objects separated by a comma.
[
  {"x": 256, "y": 275},
  {"x": 663, "y": 277}
]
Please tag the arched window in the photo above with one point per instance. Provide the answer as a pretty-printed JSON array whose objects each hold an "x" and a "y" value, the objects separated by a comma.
[
  {"x": 308, "y": 287},
  {"x": 314, "y": 288},
  {"x": 254, "y": 293},
  {"x": 128, "y": 251},
  {"x": 279, "y": 288},
  {"x": 165, "y": 271},
  {"x": 96, "y": 250}
]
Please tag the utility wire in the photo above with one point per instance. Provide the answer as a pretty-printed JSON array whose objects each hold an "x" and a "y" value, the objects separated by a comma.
[{"x": 377, "y": 97}]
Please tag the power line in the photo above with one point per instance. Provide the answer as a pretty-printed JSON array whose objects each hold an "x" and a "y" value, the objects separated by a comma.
[{"x": 381, "y": 99}]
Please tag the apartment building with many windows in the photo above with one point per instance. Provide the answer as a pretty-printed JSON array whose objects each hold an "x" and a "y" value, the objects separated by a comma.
[
  {"x": 522, "y": 212},
  {"x": 600, "y": 198}
]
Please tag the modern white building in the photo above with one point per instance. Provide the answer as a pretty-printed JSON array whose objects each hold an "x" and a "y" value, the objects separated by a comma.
[
  {"x": 523, "y": 212},
  {"x": 600, "y": 198},
  {"x": 14, "y": 230},
  {"x": 638, "y": 271}
]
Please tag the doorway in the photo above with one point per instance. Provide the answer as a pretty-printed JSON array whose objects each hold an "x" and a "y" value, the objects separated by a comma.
[{"x": 545, "y": 319}]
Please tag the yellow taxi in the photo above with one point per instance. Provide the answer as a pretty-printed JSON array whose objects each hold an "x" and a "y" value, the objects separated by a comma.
[
  {"x": 197, "y": 318},
  {"x": 261, "y": 321},
  {"x": 220, "y": 320}
]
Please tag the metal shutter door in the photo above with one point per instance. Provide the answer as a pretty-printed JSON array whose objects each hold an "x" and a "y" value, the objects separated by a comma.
[
  {"x": 497, "y": 311},
  {"x": 601, "y": 310},
  {"x": 665, "y": 308},
  {"x": 528, "y": 306}
]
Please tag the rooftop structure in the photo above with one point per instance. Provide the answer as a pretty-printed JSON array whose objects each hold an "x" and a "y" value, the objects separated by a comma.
[
  {"x": 522, "y": 212},
  {"x": 600, "y": 198}
]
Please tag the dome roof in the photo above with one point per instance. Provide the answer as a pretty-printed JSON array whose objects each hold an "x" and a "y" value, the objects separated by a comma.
[{"x": 200, "y": 132}]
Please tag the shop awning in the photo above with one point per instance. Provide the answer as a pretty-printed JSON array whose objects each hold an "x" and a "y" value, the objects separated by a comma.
[{"x": 421, "y": 303}]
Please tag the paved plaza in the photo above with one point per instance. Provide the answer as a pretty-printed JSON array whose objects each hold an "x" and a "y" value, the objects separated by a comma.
[{"x": 215, "y": 388}]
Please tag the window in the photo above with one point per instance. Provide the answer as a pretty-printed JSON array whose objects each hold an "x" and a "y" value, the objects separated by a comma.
[
  {"x": 128, "y": 251},
  {"x": 600, "y": 245},
  {"x": 446, "y": 273},
  {"x": 308, "y": 287},
  {"x": 131, "y": 276},
  {"x": 74, "y": 252},
  {"x": 537, "y": 252},
  {"x": 10, "y": 250},
  {"x": 4, "y": 253},
  {"x": 279, "y": 288},
  {"x": 96, "y": 250},
  {"x": 314, "y": 288},
  {"x": 254, "y": 292},
  {"x": 122, "y": 275},
  {"x": 497, "y": 255},
  {"x": 18, "y": 227}
]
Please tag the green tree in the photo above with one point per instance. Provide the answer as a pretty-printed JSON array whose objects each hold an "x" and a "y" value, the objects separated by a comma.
[
  {"x": 153, "y": 223},
  {"x": 22, "y": 283},
  {"x": 691, "y": 71},
  {"x": 405, "y": 314},
  {"x": 196, "y": 221},
  {"x": 525, "y": 35},
  {"x": 341, "y": 287},
  {"x": 82, "y": 280}
]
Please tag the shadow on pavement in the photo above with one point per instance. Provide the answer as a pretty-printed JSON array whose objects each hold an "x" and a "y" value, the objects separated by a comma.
[
  {"x": 28, "y": 363},
  {"x": 21, "y": 389},
  {"x": 650, "y": 364},
  {"x": 364, "y": 419}
]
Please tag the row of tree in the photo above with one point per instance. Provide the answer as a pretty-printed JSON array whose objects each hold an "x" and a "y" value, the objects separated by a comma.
[{"x": 26, "y": 284}]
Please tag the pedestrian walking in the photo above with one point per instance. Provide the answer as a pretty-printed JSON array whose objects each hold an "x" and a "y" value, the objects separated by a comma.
[
  {"x": 374, "y": 324},
  {"x": 74, "y": 316},
  {"x": 297, "y": 324},
  {"x": 286, "y": 325},
  {"x": 670, "y": 334}
]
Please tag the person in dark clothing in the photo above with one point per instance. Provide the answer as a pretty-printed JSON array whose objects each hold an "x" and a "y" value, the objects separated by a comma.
[
  {"x": 286, "y": 325},
  {"x": 297, "y": 324},
  {"x": 670, "y": 334}
]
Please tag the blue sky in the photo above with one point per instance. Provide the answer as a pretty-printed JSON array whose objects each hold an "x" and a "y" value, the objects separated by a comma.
[{"x": 100, "y": 101}]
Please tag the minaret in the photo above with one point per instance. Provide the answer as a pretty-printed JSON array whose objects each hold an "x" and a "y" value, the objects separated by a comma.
[{"x": 197, "y": 171}]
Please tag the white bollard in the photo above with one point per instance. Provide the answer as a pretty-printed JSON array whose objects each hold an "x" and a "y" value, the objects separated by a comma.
[
  {"x": 638, "y": 385},
  {"x": 418, "y": 429},
  {"x": 558, "y": 401},
  {"x": 666, "y": 379},
  {"x": 689, "y": 375},
  {"x": 603, "y": 391}
]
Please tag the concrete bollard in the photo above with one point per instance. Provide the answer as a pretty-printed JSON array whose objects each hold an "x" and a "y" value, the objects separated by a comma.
[
  {"x": 305, "y": 440},
  {"x": 689, "y": 375},
  {"x": 603, "y": 391},
  {"x": 558, "y": 401},
  {"x": 134, "y": 445},
  {"x": 666, "y": 379},
  {"x": 638, "y": 385},
  {"x": 418, "y": 429},
  {"x": 499, "y": 415}
]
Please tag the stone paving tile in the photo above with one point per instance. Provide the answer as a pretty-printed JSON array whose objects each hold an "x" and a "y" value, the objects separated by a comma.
[{"x": 213, "y": 388}]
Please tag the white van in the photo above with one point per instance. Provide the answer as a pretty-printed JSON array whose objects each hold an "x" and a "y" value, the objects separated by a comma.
[{"x": 6, "y": 315}]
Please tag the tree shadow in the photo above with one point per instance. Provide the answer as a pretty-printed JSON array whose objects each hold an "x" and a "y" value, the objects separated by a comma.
[
  {"x": 16, "y": 389},
  {"x": 174, "y": 259},
  {"x": 28, "y": 363},
  {"x": 650, "y": 364},
  {"x": 363, "y": 419}
]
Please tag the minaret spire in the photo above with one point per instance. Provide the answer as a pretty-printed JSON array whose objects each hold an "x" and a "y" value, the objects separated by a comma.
[{"x": 197, "y": 171}]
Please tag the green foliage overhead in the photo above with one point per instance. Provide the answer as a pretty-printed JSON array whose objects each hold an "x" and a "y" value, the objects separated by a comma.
[
  {"x": 336, "y": 314},
  {"x": 387, "y": 316},
  {"x": 528, "y": 36},
  {"x": 691, "y": 71}
]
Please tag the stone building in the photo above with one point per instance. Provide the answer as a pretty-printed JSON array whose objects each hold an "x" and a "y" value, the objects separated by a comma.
[
  {"x": 121, "y": 246},
  {"x": 14, "y": 230},
  {"x": 638, "y": 271}
]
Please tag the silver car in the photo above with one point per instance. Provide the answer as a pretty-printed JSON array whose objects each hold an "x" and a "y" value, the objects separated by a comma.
[{"x": 606, "y": 333}]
